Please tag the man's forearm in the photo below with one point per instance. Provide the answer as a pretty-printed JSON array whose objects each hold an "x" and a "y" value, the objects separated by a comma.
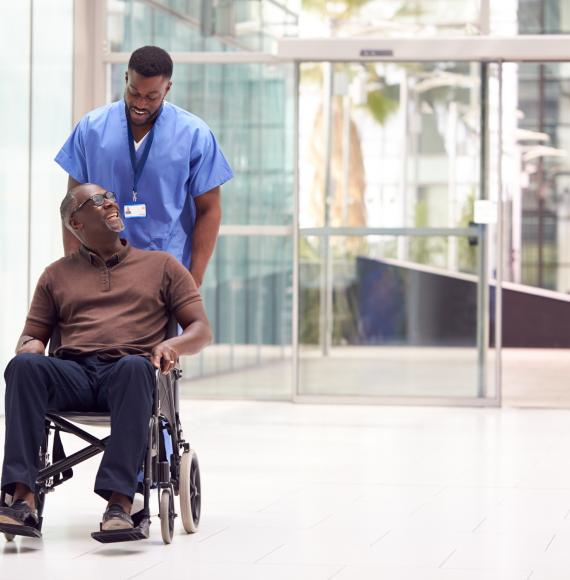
[
  {"x": 193, "y": 339},
  {"x": 204, "y": 241}
]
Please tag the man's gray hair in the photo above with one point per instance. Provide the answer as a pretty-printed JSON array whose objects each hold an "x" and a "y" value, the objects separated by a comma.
[{"x": 67, "y": 206}]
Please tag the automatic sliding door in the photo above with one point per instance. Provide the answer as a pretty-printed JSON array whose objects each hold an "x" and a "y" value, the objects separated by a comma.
[{"x": 393, "y": 294}]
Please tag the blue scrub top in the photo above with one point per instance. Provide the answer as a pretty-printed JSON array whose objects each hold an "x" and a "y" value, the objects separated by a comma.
[{"x": 184, "y": 162}]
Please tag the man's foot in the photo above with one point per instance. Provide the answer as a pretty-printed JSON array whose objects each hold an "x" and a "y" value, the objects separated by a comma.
[
  {"x": 137, "y": 505},
  {"x": 115, "y": 518},
  {"x": 19, "y": 514}
]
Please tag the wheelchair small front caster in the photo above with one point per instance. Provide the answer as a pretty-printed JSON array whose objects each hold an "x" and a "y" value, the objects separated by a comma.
[{"x": 167, "y": 515}]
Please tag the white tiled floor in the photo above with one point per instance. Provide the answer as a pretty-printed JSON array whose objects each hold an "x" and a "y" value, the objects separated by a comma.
[{"x": 298, "y": 492}]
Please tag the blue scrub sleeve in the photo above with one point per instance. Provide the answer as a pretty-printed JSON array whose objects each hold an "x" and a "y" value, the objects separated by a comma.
[
  {"x": 208, "y": 166},
  {"x": 71, "y": 157}
]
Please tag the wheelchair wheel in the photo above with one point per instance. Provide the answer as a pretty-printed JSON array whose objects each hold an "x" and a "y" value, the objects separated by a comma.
[
  {"x": 167, "y": 515},
  {"x": 190, "y": 491}
]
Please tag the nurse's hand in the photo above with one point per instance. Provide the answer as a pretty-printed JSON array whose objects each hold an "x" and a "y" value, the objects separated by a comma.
[{"x": 164, "y": 357}]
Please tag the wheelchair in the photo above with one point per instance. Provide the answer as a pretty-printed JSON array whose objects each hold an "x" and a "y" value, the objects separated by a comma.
[{"x": 170, "y": 466}]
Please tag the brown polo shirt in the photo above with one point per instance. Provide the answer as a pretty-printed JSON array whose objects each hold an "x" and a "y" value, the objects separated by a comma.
[{"x": 111, "y": 308}]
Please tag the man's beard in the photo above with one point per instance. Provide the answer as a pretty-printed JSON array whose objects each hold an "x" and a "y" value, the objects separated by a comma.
[{"x": 149, "y": 120}]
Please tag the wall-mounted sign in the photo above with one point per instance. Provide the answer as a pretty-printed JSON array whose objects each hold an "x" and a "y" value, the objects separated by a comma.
[{"x": 374, "y": 52}]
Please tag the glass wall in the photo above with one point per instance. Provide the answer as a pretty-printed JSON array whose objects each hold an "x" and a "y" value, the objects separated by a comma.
[
  {"x": 248, "y": 285},
  {"x": 540, "y": 202},
  {"x": 35, "y": 114},
  {"x": 390, "y": 18},
  {"x": 543, "y": 17},
  {"x": 14, "y": 176},
  {"x": 201, "y": 25},
  {"x": 537, "y": 225},
  {"x": 248, "y": 296}
]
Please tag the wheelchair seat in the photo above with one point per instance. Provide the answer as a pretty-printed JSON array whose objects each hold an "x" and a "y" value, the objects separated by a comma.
[{"x": 93, "y": 418}]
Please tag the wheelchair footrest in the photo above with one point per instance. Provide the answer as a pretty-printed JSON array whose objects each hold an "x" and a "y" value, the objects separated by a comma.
[
  {"x": 140, "y": 532},
  {"x": 17, "y": 530}
]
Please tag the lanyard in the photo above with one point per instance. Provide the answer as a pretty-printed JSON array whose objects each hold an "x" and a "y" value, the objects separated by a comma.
[{"x": 139, "y": 166}]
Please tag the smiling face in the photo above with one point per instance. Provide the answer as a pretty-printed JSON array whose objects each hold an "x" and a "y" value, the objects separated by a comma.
[
  {"x": 95, "y": 218},
  {"x": 144, "y": 96}
]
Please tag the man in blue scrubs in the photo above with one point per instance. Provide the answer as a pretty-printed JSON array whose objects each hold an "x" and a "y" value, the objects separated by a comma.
[{"x": 162, "y": 162}]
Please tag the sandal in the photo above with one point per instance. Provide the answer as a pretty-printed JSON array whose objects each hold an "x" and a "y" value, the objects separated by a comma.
[
  {"x": 19, "y": 514},
  {"x": 115, "y": 518}
]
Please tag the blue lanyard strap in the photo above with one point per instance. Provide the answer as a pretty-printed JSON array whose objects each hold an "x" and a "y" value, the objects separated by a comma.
[{"x": 139, "y": 166}]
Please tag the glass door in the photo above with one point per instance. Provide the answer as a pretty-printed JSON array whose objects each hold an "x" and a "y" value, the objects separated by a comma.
[{"x": 393, "y": 253}]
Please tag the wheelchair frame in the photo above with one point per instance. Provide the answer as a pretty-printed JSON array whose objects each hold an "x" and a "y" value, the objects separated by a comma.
[{"x": 178, "y": 474}]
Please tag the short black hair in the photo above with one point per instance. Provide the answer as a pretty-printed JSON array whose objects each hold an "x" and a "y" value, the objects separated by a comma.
[{"x": 151, "y": 61}]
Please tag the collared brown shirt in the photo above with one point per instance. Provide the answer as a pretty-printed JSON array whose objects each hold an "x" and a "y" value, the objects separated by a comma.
[{"x": 111, "y": 308}]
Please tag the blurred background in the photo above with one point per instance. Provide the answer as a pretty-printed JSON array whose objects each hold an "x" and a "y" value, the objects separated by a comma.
[{"x": 397, "y": 229}]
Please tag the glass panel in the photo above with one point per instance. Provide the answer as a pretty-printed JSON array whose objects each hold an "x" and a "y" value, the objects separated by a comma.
[
  {"x": 389, "y": 18},
  {"x": 247, "y": 292},
  {"x": 53, "y": 57},
  {"x": 543, "y": 17},
  {"x": 31, "y": 184},
  {"x": 200, "y": 25},
  {"x": 403, "y": 148},
  {"x": 539, "y": 192},
  {"x": 398, "y": 328},
  {"x": 536, "y": 309},
  {"x": 14, "y": 176},
  {"x": 250, "y": 110}
]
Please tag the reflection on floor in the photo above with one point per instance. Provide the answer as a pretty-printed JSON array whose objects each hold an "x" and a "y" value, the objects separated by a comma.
[
  {"x": 322, "y": 492},
  {"x": 531, "y": 377},
  {"x": 536, "y": 377},
  {"x": 390, "y": 372},
  {"x": 239, "y": 371}
]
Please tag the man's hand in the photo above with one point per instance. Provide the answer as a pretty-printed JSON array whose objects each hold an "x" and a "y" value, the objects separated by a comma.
[
  {"x": 164, "y": 357},
  {"x": 33, "y": 346}
]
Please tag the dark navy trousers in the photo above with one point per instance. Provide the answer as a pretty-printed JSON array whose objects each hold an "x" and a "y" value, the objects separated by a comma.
[{"x": 36, "y": 384}]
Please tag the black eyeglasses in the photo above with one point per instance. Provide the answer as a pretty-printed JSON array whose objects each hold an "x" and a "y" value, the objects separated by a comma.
[{"x": 98, "y": 200}]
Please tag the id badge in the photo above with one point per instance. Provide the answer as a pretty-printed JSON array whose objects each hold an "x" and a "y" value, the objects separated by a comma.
[{"x": 135, "y": 210}]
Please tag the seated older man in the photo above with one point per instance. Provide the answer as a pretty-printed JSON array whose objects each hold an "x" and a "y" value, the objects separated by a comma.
[{"x": 111, "y": 303}]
